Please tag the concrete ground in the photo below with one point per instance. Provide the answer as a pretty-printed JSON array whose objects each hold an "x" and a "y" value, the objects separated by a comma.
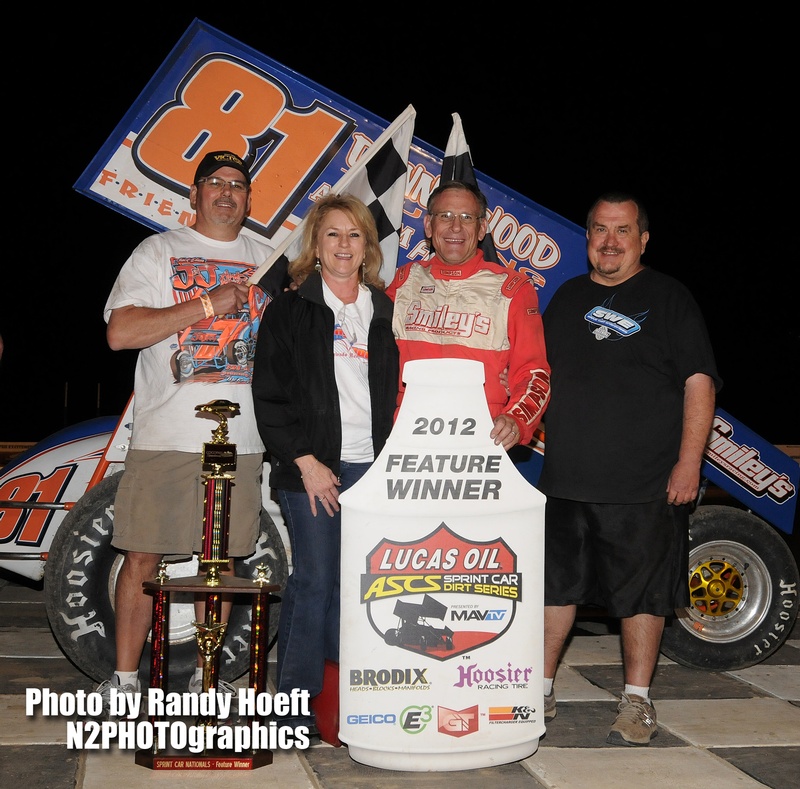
[{"x": 737, "y": 729}]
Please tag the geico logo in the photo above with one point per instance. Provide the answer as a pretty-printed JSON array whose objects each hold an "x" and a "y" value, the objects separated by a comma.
[{"x": 377, "y": 718}]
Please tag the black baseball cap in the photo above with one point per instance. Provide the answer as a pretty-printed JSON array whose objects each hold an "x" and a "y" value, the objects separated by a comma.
[{"x": 213, "y": 161}]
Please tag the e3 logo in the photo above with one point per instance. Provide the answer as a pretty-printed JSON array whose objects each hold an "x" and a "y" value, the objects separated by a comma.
[{"x": 413, "y": 720}]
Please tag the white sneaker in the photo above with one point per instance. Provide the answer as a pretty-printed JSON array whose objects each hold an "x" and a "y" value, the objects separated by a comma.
[
  {"x": 196, "y": 686},
  {"x": 550, "y": 710},
  {"x": 104, "y": 689}
]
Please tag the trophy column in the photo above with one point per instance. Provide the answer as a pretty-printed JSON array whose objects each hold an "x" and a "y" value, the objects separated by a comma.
[{"x": 218, "y": 459}]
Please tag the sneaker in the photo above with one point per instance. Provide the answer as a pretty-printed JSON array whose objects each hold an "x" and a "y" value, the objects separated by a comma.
[
  {"x": 550, "y": 710},
  {"x": 196, "y": 686},
  {"x": 104, "y": 689},
  {"x": 635, "y": 724},
  {"x": 314, "y": 737}
]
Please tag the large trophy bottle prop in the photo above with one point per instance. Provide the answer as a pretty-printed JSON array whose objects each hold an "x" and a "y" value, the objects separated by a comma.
[
  {"x": 218, "y": 461},
  {"x": 442, "y": 566}
]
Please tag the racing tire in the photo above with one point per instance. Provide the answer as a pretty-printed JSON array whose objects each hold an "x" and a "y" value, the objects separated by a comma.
[
  {"x": 238, "y": 353},
  {"x": 80, "y": 578},
  {"x": 181, "y": 365},
  {"x": 743, "y": 586},
  {"x": 391, "y": 637}
]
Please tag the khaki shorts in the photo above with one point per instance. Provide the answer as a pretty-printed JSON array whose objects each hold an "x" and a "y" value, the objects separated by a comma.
[{"x": 159, "y": 504}]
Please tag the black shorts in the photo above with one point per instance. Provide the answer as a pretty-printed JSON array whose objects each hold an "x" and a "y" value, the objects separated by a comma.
[{"x": 627, "y": 558}]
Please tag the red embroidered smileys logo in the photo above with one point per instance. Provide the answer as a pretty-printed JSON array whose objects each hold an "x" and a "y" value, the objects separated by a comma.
[{"x": 441, "y": 596}]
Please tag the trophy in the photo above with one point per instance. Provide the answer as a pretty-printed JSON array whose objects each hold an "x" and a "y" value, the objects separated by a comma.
[
  {"x": 218, "y": 460},
  {"x": 218, "y": 457}
]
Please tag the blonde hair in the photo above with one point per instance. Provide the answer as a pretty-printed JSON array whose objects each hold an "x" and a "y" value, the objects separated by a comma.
[{"x": 356, "y": 209}]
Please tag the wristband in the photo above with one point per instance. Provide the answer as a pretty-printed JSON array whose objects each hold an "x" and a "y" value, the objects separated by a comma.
[{"x": 208, "y": 307}]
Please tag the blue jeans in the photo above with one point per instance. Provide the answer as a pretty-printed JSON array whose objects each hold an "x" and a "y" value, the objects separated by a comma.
[{"x": 308, "y": 629}]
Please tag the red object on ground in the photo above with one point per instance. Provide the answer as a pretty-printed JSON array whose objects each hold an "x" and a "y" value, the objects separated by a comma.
[{"x": 326, "y": 705}]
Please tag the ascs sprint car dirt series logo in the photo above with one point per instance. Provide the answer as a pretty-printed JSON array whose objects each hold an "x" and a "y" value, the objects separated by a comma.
[{"x": 442, "y": 595}]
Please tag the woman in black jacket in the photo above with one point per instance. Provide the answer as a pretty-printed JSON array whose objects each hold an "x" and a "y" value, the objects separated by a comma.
[{"x": 325, "y": 382}]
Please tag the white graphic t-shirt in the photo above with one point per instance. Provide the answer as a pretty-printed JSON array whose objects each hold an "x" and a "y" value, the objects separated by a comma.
[
  {"x": 351, "y": 365},
  {"x": 209, "y": 360}
]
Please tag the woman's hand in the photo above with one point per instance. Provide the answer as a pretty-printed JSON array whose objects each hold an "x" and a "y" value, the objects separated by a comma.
[{"x": 321, "y": 484}]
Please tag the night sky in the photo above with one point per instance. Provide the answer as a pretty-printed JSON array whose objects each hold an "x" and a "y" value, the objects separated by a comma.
[{"x": 696, "y": 117}]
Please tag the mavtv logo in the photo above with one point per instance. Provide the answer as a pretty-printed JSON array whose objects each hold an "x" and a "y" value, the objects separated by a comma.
[{"x": 489, "y": 615}]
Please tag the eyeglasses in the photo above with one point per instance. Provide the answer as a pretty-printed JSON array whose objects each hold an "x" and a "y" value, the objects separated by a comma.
[
  {"x": 450, "y": 217},
  {"x": 219, "y": 183}
]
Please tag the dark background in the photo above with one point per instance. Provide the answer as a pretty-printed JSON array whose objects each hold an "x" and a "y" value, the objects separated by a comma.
[{"x": 695, "y": 116}]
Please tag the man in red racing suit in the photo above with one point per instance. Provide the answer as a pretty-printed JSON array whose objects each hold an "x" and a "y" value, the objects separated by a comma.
[{"x": 458, "y": 305}]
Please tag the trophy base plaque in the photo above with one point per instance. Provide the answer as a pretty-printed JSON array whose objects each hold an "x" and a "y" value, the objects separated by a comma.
[{"x": 210, "y": 760}]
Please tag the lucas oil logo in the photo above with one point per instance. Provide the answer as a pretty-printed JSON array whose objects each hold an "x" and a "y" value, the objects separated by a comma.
[{"x": 441, "y": 596}]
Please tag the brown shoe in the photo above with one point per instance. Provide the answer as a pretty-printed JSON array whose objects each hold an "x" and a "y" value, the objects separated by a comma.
[
  {"x": 635, "y": 724},
  {"x": 550, "y": 710}
]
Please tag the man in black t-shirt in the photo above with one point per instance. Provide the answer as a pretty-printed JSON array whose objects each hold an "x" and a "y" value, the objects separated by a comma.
[{"x": 633, "y": 391}]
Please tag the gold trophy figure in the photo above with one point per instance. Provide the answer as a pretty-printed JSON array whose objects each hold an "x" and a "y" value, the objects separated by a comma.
[{"x": 210, "y": 635}]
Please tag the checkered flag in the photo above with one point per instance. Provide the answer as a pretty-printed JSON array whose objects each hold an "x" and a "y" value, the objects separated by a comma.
[
  {"x": 379, "y": 179},
  {"x": 457, "y": 166}
]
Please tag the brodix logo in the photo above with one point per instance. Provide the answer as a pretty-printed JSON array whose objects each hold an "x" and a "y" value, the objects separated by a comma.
[{"x": 409, "y": 587}]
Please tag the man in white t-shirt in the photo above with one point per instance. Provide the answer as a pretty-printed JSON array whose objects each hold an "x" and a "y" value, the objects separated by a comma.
[{"x": 182, "y": 298}]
